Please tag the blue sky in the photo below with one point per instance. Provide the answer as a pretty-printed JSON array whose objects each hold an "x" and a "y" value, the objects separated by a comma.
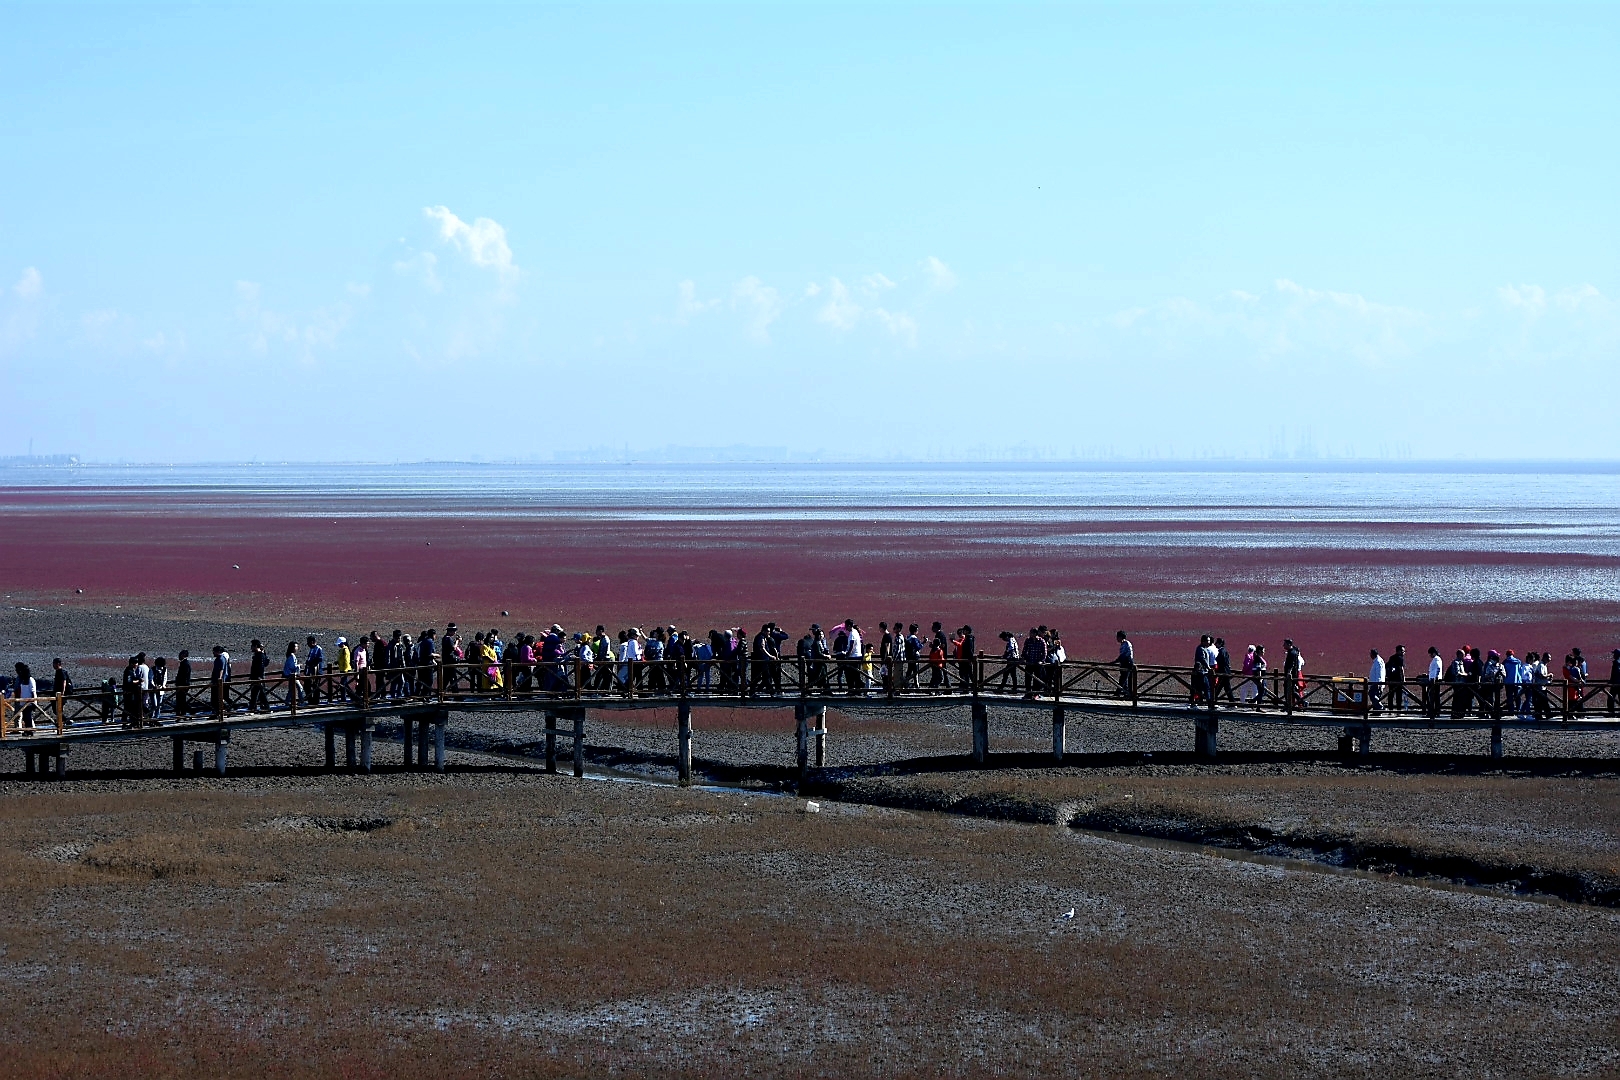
[{"x": 369, "y": 232}]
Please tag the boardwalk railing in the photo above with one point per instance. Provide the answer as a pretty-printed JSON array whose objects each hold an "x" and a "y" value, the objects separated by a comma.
[{"x": 109, "y": 707}]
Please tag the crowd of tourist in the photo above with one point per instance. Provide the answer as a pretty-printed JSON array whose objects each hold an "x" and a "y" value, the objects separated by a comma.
[{"x": 898, "y": 658}]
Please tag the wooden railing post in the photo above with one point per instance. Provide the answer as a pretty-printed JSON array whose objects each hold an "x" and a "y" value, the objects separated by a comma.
[
  {"x": 61, "y": 723},
  {"x": 579, "y": 678}
]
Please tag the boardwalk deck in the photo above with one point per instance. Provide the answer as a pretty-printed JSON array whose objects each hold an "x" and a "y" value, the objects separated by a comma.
[{"x": 422, "y": 699}]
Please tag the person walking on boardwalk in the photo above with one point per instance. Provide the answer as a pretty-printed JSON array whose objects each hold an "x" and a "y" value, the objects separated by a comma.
[
  {"x": 314, "y": 668},
  {"x": 1203, "y": 673},
  {"x": 160, "y": 686},
  {"x": 1246, "y": 693},
  {"x": 629, "y": 656},
  {"x": 1293, "y": 675},
  {"x": 427, "y": 662},
  {"x": 137, "y": 682},
  {"x": 1397, "y": 679},
  {"x": 1375, "y": 683},
  {"x": 1492, "y": 682},
  {"x": 1034, "y": 659},
  {"x": 966, "y": 656},
  {"x": 182, "y": 685},
  {"x": 258, "y": 665},
  {"x": 1431, "y": 685},
  {"x": 1614, "y": 684},
  {"x": 914, "y": 655},
  {"x": 1127, "y": 665},
  {"x": 1009, "y": 662},
  {"x": 1223, "y": 674},
  {"x": 290, "y": 669},
  {"x": 343, "y": 667},
  {"x": 1260, "y": 676},
  {"x": 1457, "y": 676},
  {"x": 62, "y": 682},
  {"x": 360, "y": 653},
  {"x": 25, "y": 692}
]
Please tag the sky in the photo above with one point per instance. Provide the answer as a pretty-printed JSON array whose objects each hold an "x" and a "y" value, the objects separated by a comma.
[{"x": 369, "y": 232}]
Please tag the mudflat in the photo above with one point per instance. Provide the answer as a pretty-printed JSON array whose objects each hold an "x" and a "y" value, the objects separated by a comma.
[
  {"x": 284, "y": 921},
  {"x": 497, "y": 919}
]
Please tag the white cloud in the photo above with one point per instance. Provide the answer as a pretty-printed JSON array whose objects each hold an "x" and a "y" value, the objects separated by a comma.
[
  {"x": 1530, "y": 299},
  {"x": 876, "y": 283},
  {"x": 29, "y": 285},
  {"x": 483, "y": 241},
  {"x": 269, "y": 331},
  {"x": 1293, "y": 320},
  {"x": 899, "y": 324},
  {"x": 840, "y": 312},
  {"x": 688, "y": 305},
  {"x": 940, "y": 276},
  {"x": 762, "y": 304},
  {"x": 423, "y": 266},
  {"x": 812, "y": 290}
]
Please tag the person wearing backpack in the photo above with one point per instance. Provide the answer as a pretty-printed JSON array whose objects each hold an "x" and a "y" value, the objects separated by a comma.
[{"x": 1457, "y": 676}]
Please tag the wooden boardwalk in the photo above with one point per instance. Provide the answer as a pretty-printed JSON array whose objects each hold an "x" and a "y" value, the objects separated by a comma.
[{"x": 422, "y": 700}]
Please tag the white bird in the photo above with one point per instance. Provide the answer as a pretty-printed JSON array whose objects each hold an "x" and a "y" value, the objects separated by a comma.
[{"x": 1067, "y": 914}]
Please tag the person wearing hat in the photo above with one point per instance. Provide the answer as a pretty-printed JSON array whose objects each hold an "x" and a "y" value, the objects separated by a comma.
[{"x": 342, "y": 664}]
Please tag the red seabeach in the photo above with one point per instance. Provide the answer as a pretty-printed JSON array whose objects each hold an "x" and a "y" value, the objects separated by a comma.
[{"x": 1338, "y": 589}]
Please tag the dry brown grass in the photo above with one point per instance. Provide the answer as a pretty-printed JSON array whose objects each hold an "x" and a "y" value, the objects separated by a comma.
[{"x": 506, "y": 923}]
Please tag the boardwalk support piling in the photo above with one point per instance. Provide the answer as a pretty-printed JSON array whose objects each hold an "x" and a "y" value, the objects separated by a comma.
[
  {"x": 1059, "y": 732},
  {"x": 579, "y": 742},
  {"x": 406, "y": 724},
  {"x": 179, "y": 754},
  {"x": 423, "y": 735},
  {"x": 220, "y": 748},
  {"x": 365, "y": 749},
  {"x": 981, "y": 733},
  {"x": 801, "y": 717},
  {"x": 821, "y": 736},
  {"x": 197, "y": 761},
  {"x": 61, "y": 760},
  {"x": 1206, "y": 738},
  {"x": 438, "y": 743},
  {"x": 1496, "y": 741},
  {"x": 551, "y": 742},
  {"x": 683, "y": 762},
  {"x": 1365, "y": 736}
]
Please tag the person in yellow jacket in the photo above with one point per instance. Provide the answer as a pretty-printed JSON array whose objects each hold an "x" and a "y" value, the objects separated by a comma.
[{"x": 343, "y": 664}]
